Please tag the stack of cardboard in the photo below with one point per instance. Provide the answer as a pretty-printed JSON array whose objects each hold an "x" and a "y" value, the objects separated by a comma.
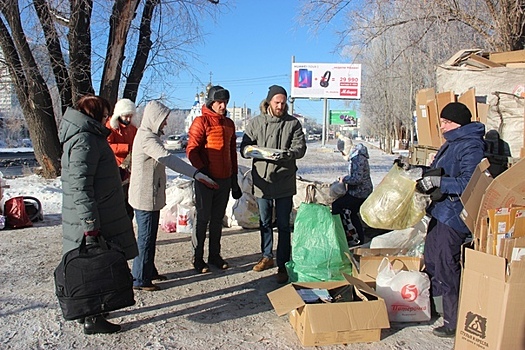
[
  {"x": 429, "y": 105},
  {"x": 491, "y": 313}
]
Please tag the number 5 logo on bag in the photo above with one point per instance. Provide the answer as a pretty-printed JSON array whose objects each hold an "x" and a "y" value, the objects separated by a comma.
[{"x": 409, "y": 292}]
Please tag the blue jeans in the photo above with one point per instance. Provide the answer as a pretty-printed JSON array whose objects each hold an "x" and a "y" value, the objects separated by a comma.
[
  {"x": 144, "y": 264},
  {"x": 283, "y": 208}
]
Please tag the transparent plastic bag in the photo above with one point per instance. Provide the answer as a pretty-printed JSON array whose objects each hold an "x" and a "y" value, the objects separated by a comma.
[{"x": 395, "y": 204}]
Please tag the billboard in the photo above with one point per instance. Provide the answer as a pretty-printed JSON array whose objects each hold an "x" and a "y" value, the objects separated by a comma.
[
  {"x": 346, "y": 117},
  {"x": 326, "y": 80}
]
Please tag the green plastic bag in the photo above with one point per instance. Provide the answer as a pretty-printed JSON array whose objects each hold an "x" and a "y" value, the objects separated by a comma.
[{"x": 319, "y": 247}]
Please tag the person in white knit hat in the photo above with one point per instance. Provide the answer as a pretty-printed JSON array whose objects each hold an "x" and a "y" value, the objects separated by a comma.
[{"x": 121, "y": 141}]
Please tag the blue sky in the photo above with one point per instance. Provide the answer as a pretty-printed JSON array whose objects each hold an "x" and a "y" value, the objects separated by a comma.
[{"x": 251, "y": 47}]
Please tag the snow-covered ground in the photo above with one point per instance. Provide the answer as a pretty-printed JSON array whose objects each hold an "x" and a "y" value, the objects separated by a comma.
[
  {"x": 218, "y": 310},
  {"x": 321, "y": 163}
]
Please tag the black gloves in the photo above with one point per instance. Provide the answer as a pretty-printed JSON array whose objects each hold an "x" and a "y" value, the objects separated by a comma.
[
  {"x": 236, "y": 190},
  {"x": 428, "y": 184},
  {"x": 402, "y": 162},
  {"x": 284, "y": 156}
]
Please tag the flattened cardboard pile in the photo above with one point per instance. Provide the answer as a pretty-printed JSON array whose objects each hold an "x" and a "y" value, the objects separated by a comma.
[{"x": 491, "y": 313}]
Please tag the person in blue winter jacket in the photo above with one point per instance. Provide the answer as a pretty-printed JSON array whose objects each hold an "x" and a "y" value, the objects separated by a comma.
[
  {"x": 456, "y": 160},
  {"x": 359, "y": 187}
]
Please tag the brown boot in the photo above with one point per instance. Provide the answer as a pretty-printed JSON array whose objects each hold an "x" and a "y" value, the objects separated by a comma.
[{"x": 264, "y": 264}]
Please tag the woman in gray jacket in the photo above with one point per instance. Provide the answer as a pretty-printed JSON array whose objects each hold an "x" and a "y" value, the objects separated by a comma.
[
  {"x": 147, "y": 190},
  {"x": 92, "y": 200}
]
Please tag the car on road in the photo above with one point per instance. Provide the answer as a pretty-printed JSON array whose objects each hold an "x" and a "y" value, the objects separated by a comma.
[
  {"x": 239, "y": 135},
  {"x": 176, "y": 142}
]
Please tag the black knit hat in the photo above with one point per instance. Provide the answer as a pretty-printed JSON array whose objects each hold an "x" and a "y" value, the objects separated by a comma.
[
  {"x": 456, "y": 112},
  {"x": 275, "y": 90},
  {"x": 217, "y": 93}
]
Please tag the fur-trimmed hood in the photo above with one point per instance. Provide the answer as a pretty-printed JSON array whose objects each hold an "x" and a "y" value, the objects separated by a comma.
[{"x": 263, "y": 107}]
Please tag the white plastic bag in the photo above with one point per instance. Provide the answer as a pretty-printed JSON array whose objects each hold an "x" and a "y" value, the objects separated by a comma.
[
  {"x": 406, "y": 293},
  {"x": 185, "y": 218},
  {"x": 168, "y": 221}
]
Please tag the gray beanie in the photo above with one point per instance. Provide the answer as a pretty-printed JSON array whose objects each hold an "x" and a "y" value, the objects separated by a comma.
[{"x": 275, "y": 90}]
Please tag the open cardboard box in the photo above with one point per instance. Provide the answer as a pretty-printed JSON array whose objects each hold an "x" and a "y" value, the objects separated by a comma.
[
  {"x": 360, "y": 320},
  {"x": 491, "y": 313},
  {"x": 366, "y": 261},
  {"x": 483, "y": 193}
]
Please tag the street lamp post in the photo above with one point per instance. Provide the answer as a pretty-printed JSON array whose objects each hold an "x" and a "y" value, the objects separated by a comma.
[{"x": 244, "y": 112}]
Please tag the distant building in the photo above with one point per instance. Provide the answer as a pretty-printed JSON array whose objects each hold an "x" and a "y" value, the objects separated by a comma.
[
  {"x": 240, "y": 115},
  {"x": 195, "y": 111},
  {"x": 8, "y": 98}
]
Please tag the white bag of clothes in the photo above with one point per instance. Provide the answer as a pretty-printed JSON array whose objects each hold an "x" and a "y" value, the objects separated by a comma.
[{"x": 406, "y": 293}]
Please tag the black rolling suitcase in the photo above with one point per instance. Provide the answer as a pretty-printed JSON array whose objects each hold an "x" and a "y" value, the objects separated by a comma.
[{"x": 93, "y": 279}]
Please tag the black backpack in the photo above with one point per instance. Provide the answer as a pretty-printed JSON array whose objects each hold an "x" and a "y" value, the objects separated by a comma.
[{"x": 93, "y": 279}]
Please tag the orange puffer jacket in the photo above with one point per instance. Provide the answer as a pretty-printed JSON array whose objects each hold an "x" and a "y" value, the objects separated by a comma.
[
  {"x": 121, "y": 140},
  {"x": 211, "y": 145}
]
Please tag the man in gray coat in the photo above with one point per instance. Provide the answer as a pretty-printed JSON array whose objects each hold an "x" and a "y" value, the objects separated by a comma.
[{"x": 274, "y": 180}]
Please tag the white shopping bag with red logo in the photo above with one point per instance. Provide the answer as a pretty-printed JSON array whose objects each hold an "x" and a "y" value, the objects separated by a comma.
[
  {"x": 185, "y": 218},
  {"x": 406, "y": 293}
]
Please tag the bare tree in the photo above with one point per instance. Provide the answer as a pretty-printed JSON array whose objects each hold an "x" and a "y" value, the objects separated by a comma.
[
  {"x": 400, "y": 43},
  {"x": 69, "y": 24}
]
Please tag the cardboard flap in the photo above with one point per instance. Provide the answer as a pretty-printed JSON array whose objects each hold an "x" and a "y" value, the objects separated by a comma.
[
  {"x": 485, "y": 264},
  {"x": 360, "y": 285},
  {"x": 473, "y": 194},
  {"x": 285, "y": 299},
  {"x": 517, "y": 272},
  {"x": 355, "y": 315}
]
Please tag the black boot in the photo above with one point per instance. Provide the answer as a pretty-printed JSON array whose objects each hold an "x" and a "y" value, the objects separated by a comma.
[
  {"x": 98, "y": 324},
  {"x": 83, "y": 319}
]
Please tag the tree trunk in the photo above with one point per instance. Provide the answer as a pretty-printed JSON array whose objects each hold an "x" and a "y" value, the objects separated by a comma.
[
  {"x": 120, "y": 22},
  {"x": 57, "y": 61},
  {"x": 143, "y": 49},
  {"x": 32, "y": 92},
  {"x": 79, "y": 38}
]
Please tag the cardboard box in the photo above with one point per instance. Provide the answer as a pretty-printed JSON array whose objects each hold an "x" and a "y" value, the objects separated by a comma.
[
  {"x": 367, "y": 261},
  {"x": 316, "y": 324},
  {"x": 491, "y": 313},
  {"x": 423, "y": 121},
  {"x": 483, "y": 193},
  {"x": 436, "y": 138},
  {"x": 468, "y": 98},
  {"x": 508, "y": 56}
]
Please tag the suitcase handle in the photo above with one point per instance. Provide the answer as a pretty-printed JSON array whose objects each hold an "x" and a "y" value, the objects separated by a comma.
[{"x": 100, "y": 240}]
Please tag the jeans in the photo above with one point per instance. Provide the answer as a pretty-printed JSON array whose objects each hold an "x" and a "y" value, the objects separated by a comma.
[
  {"x": 211, "y": 207},
  {"x": 283, "y": 208},
  {"x": 144, "y": 264}
]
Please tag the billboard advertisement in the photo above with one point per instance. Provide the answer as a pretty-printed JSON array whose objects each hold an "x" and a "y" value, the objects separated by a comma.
[
  {"x": 346, "y": 117},
  {"x": 326, "y": 80}
]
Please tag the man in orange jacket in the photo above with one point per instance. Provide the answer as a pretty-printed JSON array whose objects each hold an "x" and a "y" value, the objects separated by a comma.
[{"x": 212, "y": 149}]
